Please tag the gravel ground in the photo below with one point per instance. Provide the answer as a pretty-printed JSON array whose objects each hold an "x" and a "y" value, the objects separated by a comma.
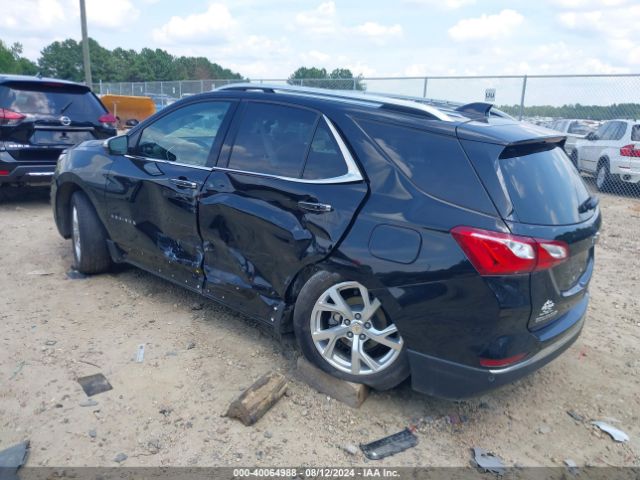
[{"x": 199, "y": 356}]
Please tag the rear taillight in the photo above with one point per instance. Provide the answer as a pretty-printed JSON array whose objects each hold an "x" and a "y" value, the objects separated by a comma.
[
  {"x": 108, "y": 120},
  {"x": 10, "y": 118},
  {"x": 496, "y": 253},
  {"x": 630, "y": 151}
]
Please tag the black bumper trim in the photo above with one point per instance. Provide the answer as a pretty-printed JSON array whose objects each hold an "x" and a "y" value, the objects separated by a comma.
[{"x": 442, "y": 378}]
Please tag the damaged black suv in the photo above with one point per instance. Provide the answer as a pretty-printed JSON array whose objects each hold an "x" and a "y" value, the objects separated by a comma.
[{"x": 395, "y": 237}]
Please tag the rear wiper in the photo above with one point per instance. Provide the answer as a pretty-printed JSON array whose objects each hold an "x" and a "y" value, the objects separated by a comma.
[
  {"x": 589, "y": 204},
  {"x": 64, "y": 109}
]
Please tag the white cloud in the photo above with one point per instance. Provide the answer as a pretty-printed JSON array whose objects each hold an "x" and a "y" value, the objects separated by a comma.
[
  {"x": 582, "y": 4},
  {"x": 111, "y": 14},
  {"x": 216, "y": 23},
  {"x": 373, "y": 29},
  {"x": 493, "y": 27},
  {"x": 321, "y": 20},
  {"x": 448, "y": 4}
]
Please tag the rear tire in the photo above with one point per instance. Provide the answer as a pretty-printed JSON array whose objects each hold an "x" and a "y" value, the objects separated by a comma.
[
  {"x": 604, "y": 180},
  {"x": 89, "y": 237},
  {"x": 381, "y": 365}
]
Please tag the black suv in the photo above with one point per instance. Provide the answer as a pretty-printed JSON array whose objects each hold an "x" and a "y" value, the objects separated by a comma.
[
  {"x": 39, "y": 118},
  {"x": 395, "y": 237}
]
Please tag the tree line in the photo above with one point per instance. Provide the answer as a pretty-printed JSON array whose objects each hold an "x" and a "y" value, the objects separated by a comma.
[
  {"x": 586, "y": 112},
  {"x": 63, "y": 59}
]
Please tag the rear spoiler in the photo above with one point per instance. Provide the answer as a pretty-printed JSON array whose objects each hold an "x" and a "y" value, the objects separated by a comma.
[{"x": 533, "y": 145}]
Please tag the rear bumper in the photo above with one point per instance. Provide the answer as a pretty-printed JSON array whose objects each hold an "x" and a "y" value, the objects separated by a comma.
[
  {"x": 446, "y": 379},
  {"x": 28, "y": 174}
]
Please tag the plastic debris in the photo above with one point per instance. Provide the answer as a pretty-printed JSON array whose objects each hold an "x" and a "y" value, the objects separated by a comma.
[
  {"x": 11, "y": 459},
  {"x": 140, "y": 353},
  {"x": 387, "y": 446},
  {"x": 121, "y": 457},
  {"x": 571, "y": 466},
  {"x": 576, "y": 416},
  {"x": 40, "y": 273},
  {"x": 75, "y": 275},
  {"x": 488, "y": 461},
  {"x": 94, "y": 384},
  {"x": 615, "y": 433}
]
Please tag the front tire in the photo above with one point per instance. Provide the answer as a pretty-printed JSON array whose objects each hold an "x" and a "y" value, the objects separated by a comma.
[
  {"x": 343, "y": 330},
  {"x": 603, "y": 177},
  {"x": 89, "y": 238}
]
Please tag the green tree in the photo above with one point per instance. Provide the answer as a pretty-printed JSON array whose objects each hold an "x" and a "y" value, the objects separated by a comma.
[
  {"x": 12, "y": 61},
  {"x": 338, "y": 79},
  {"x": 62, "y": 60}
]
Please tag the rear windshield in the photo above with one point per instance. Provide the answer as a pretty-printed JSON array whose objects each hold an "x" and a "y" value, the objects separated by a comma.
[
  {"x": 544, "y": 186},
  {"x": 75, "y": 102}
]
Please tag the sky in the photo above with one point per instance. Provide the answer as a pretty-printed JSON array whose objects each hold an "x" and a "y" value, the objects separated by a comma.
[{"x": 261, "y": 39}]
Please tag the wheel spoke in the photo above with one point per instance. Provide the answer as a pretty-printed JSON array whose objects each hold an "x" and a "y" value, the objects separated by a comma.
[
  {"x": 382, "y": 337},
  {"x": 370, "y": 309},
  {"x": 332, "y": 335},
  {"x": 338, "y": 305},
  {"x": 355, "y": 355}
]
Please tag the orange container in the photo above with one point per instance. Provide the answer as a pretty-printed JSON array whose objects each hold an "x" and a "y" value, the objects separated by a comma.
[{"x": 125, "y": 107}]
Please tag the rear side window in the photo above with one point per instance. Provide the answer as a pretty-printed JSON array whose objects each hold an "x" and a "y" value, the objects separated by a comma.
[
  {"x": 435, "y": 163},
  {"x": 635, "y": 133},
  {"x": 273, "y": 139},
  {"x": 73, "y": 101},
  {"x": 325, "y": 159},
  {"x": 543, "y": 185}
]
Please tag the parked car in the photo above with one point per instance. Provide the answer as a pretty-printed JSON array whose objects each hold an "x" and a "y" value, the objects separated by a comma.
[
  {"x": 39, "y": 118},
  {"x": 574, "y": 130},
  {"x": 611, "y": 153},
  {"x": 392, "y": 237},
  {"x": 161, "y": 100}
]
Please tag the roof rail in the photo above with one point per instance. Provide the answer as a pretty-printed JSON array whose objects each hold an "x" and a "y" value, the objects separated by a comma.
[{"x": 384, "y": 101}]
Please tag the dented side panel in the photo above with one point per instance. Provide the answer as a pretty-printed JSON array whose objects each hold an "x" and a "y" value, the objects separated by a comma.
[{"x": 154, "y": 220}]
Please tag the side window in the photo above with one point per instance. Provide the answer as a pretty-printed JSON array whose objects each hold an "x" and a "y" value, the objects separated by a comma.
[
  {"x": 435, "y": 163},
  {"x": 602, "y": 131},
  {"x": 325, "y": 159},
  {"x": 619, "y": 132},
  {"x": 185, "y": 135},
  {"x": 635, "y": 133},
  {"x": 273, "y": 139}
]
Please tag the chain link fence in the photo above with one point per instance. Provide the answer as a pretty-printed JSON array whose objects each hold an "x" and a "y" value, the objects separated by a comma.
[{"x": 599, "y": 114}]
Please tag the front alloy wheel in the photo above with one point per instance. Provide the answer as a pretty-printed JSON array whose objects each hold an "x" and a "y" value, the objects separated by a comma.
[
  {"x": 75, "y": 235},
  {"x": 352, "y": 333}
]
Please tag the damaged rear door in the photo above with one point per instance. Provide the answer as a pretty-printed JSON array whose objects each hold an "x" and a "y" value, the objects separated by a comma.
[{"x": 152, "y": 192}]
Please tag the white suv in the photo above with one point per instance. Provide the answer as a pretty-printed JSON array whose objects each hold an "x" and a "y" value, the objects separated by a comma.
[
  {"x": 612, "y": 153},
  {"x": 574, "y": 130}
]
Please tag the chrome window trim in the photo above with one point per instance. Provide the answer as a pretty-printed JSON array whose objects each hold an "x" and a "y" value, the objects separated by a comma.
[
  {"x": 353, "y": 172},
  {"x": 149, "y": 159}
]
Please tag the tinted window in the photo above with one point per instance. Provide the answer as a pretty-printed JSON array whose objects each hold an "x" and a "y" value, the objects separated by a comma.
[
  {"x": 273, "y": 139},
  {"x": 75, "y": 102},
  {"x": 578, "y": 128},
  {"x": 325, "y": 159},
  {"x": 185, "y": 135},
  {"x": 635, "y": 133},
  {"x": 435, "y": 163},
  {"x": 603, "y": 131},
  {"x": 544, "y": 187},
  {"x": 618, "y": 132}
]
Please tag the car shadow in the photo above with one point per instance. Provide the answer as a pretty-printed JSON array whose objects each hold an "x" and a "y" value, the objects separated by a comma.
[{"x": 24, "y": 195}]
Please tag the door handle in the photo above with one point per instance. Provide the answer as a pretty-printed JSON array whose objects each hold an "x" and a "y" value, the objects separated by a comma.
[
  {"x": 315, "y": 207},
  {"x": 180, "y": 182}
]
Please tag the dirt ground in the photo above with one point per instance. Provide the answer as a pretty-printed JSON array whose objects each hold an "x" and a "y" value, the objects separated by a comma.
[{"x": 168, "y": 409}]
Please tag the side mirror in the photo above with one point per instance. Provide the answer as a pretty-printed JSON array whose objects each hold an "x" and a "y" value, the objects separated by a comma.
[{"x": 118, "y": 145}]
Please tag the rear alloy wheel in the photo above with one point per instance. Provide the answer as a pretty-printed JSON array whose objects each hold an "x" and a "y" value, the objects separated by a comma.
[
  {"x": 603, "y": 177},
  {"x": 347, "y": 333}
]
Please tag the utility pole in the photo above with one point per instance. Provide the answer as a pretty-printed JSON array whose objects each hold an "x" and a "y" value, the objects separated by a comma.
[{"x": 85, "y": 46}]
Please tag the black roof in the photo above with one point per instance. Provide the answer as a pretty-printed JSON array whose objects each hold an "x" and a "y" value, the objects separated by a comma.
[{"x": 7, "y": 77}]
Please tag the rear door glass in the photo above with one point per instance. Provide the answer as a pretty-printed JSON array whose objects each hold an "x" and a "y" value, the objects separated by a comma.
[
  {"x": 324, "y": 160},
  {"x": 74, "y": 101},
  {"x": 543, "y": 185}
]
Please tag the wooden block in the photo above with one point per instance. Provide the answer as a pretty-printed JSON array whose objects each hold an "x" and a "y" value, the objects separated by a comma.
[
  {"x": 352, "y": 394},
  {"x": 256, "y": 400}
]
